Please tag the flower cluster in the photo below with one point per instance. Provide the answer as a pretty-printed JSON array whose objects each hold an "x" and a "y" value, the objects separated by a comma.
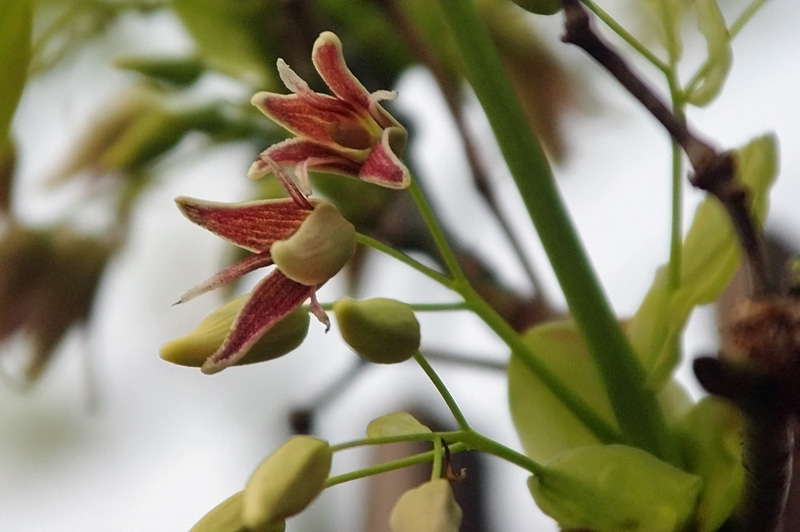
[{"x": 308, "y": 240}]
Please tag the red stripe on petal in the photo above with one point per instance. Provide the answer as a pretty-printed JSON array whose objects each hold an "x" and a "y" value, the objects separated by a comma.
[
  {"x": 316, "y": 118},
  {"x": 329, "y": 62},
  {"x": 271, "y": 300},
  {"x": 229, "y": 274},
  {"x": 251, "y": 225},
  {"x": 383, "y": 167}
]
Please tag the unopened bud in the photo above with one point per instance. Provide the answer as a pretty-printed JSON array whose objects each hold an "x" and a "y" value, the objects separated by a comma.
[
  {"x": 380, "y": 330},
  {"x": 395, "y": 424},
  {"x": 286, "y": 481},
  {"x": 318, "y": 249},
  {"x": 227, "y": 517},
  {"x": 194, "y": 348},
  {"x": 430, "y": 507},
  {"x": 608, "y": 488},
  {"x": 540, "y": 7}
]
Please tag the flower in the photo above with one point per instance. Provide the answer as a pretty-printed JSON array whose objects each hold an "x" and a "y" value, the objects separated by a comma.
[
  {"x": 349, "y": 133},
  {"x": 307, "y": 240}
]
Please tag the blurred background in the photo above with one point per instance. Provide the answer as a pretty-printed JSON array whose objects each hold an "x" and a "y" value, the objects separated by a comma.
[{"x": 130, "y": 103}]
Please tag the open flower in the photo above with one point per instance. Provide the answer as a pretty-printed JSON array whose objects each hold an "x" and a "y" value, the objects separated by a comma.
[
  {"x": 348, "y": 133},
  {"x": 307, "y": 240}
]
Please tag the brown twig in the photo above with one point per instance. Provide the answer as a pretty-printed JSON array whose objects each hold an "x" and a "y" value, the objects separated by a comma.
[{"x": 714, "y": 171}]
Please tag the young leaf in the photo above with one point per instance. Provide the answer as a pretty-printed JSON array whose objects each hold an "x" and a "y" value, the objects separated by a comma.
[
  {"x": 395, "y": 424},
  {"x": 710, "y": 258},
  {"x": 15, "y": 50},
  {"x": 669, "y": 14},
  {"x": 711, "y": 437},
  {"x": 712, "y": 26}
]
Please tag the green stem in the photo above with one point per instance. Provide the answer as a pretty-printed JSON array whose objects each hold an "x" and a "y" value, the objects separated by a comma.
[
  {"x": 676, "y": 226},
  {"x": 435, "y": 229},
  {"x": 420, "y": 436},
  {"x": 635, "y": 407},
  {"x": 420, "y": 307},
  {"x": 733, "y": 31},
  {"x": 402, "y": 257},
  {"x": 480, "y": 442},
  {"x": 626, "y": 36},
  {"x": 436, "y": 468},
  {"x": 443, "y": 391},
  {"x": 389, "y": 466}
]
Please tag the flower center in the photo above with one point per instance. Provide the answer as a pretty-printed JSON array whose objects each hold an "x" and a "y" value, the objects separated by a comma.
[{"x": 351, "y": 135}]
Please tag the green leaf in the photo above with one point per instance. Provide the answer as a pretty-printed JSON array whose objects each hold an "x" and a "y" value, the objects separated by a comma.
[
  {"x": 545, "y": 425},
  {"x": 669, "y": 14},
  {"x": 711, "y": 440},
  {"x": 718, "y": 63},
  {"x": 233, "y": 37},
  {"x": 15, "y": 55},
  {"x": 610, "y": 488},
  {"x": 179, "y": 71},
  {"x": 395, "y": 424},
  {"x": 710, "y": 258}
]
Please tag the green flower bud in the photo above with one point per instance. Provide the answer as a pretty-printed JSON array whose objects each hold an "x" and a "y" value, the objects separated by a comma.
[
  {"x": 227, "y": 517},
  {"x": 540, "y": 7},
  {"x": 384, "y": 331},
  {"x": 286, "y": 481},
  {"x": 609, "y": 488},
  {"x": 430, "y": 507},
  {"x": 318, "y": 249},
  {"x": 194, "y": 348},
  {"x": 395, "y": 424}
]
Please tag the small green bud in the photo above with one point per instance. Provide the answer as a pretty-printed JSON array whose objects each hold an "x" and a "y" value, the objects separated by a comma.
[
  {"x": 318, "y": 249},
  {"x": 286, "y": 482},
  {"x": 227, "y": 517},
  {"x": 608, "y": 488},
  {"x": 380, "y": 330},
  {"x": 194, "y": 348},
  {"x": 430, "y": 507},
  {"x": 395, "y": 424},
  {"x": 540, "y": 7}
]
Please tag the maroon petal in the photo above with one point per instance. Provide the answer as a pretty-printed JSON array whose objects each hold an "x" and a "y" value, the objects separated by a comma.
[
  {"x": 329, "y": 62},
  {"x": 253, "y": 225},
  {"x": 229, "y": 274},
  {"x": 291, "y": 152},
  {"x": 271, "y": 300},
  {"x": 383, "y": 167}
]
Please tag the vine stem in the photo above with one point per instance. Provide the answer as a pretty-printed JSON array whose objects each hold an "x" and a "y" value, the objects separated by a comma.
[
  {"x": 443, "y": 391},
  {"x": 404, "y": 258},
  {"x": 635, "y": 407}
]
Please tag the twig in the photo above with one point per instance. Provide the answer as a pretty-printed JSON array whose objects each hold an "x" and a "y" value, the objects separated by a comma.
[{"x": 714, "y": 171}]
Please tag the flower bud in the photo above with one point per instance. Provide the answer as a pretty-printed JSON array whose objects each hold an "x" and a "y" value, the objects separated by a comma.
[
  {"x": 395, "y": 424},
  {"x": 540, "y": 7},
  {"x": 227, "y": 517},
  {"x": 380, "y": 330},
  {"x": 194, "y": 348},
  {"x": 318, "y": 249},
  {"x": 286, "y": 482},
  {"x": 430, "y": 507},
  {"x": 608, "y": 488}
]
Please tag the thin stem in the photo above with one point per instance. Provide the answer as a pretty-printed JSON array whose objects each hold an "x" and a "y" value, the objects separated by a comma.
[
  {"x": 480, "y": 363},
  {"x": 482, "y": 443},
  {"x": 435, "y": 229},
  {"x": 390, "y": 466},
  {"x": 420, "y": 436},
  {"x": 733, "y": 31},
  {"x": 420, "y": 307},
  {"x": 402, "y": 257},
  {"x": 442, "y": 389},
  {"x": 626, "y": 36},
  {"x": 635, "y": 407},
  {"x": 436, "y": 468},
  {"x": 676, "y": 226}
]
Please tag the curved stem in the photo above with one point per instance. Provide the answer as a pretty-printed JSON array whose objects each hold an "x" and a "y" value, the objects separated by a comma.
[
  {"x": 420, "y": 436},
  {"x": 443, "y": 391},
  {"x": 480, "y": 442},
  {"x": 389, "y": 466},
  {"x": 402, "y": 257}
]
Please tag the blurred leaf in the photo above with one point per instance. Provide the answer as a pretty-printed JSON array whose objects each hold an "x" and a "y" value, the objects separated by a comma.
[
  {"x": 712, "y": 26},
  {"x": 544, "y": 424},
  {"x": 711, "y": 437},
  {"x": 233, "y": 37},
  {"x": 8, "y": 163},
  {"x": 15, "y": 54},
  {"x": 710, "y": 258},
  {"x": 669, "y": 14},
  {"x": 611, "y": 488},
  {"x": 180, "y": 71},
  {"x": 395, "y": 424}
]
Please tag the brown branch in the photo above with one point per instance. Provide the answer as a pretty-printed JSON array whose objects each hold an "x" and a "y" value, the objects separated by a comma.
[{"x": 714, "y": 172}]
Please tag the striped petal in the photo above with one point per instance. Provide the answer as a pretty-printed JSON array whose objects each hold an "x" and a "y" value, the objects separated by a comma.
[
  {"x": 229, "y": 274},
  {"x": 329, "y": 62},
  {"x": 253, "y": 225},
  {"x": 292, "y": 152},
  {"x": 271, "y": 300},
  {"x": 383, "y": 167}
]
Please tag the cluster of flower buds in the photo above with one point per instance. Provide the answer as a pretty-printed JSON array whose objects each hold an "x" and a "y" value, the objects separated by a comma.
[{"x": 307, "y": 240}]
